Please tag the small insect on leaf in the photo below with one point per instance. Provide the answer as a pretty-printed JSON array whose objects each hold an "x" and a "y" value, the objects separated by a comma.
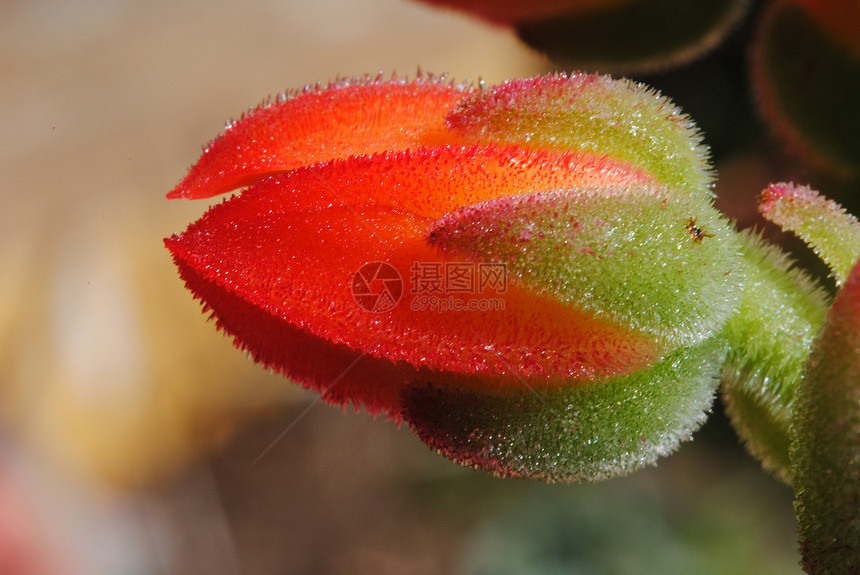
[{"x": 697, "y": 232}]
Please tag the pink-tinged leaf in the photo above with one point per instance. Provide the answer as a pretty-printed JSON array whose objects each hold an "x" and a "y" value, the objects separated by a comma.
[
  {"x": 832, "y": 232},
  {"x": 346, "y": 118}
]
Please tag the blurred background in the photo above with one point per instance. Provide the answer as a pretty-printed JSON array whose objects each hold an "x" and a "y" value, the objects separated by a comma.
[{"x": 134, "y": 439}]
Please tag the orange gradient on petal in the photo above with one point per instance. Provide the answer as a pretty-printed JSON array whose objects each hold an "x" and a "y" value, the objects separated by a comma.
[
  {"x": 347, "y": 118},
  {"x": 290, "y": 245}
]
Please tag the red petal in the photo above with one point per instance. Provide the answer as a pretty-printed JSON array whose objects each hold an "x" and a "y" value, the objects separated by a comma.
[
  {"x": 277, "y": 266},
  {"x": 345, "y": 119}
]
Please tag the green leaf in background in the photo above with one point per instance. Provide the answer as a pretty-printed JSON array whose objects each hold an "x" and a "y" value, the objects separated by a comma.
[
  {"x": 686, "y": 517},
  {"x": 634, "y": 36},
  {"x": 615, "y": 36},
  {"x": 807, "y": 83}
]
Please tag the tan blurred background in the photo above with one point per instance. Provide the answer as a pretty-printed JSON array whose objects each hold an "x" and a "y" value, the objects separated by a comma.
[
  {"x": 104, "y": 106},
  {"x": 130, "y": 429}
]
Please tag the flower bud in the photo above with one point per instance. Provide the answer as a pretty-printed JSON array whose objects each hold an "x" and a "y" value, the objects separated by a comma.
[{"x": 533, "y": 276}]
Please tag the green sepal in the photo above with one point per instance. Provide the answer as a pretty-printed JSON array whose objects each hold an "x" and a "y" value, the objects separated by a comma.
[
  {"x": 780, "y": 311},
  {"x": 587, "y": 431},
  {"x": 647, "y": 259},
  {"x": 591, "y": 114}
]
